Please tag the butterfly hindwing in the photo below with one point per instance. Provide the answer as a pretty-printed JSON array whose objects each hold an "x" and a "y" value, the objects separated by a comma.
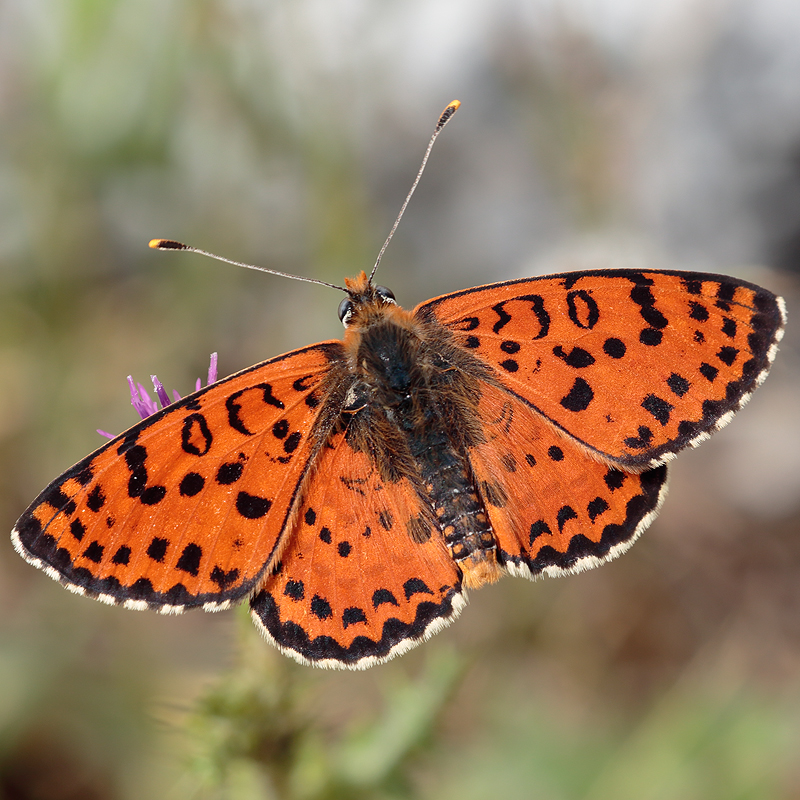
[
  {"x": 554, "y": 509},
  {"x": 364, "y": 576},
  {"x": 185, "y": 508},
  {"x": 635, "y": 365}
]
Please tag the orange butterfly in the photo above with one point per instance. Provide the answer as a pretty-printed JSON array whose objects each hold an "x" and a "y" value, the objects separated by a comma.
[{"x": 354, "y": 489}]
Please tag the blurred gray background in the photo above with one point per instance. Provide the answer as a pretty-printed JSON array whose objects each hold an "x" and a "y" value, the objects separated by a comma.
[{"x": 286, "y": 133}]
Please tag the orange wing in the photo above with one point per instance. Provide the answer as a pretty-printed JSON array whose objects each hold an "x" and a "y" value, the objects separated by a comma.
[
  {"x": 361, "y": 579},
  {"x": 553, "y": 509},
  {"x": 187, "y": 507},
  {"x": 634, "y": 365}
]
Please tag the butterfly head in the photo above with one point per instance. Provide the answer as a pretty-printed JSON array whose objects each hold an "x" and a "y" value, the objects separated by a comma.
[{"x": 364, "y": 302}]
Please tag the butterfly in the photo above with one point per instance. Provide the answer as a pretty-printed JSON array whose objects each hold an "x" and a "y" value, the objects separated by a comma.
[{"x": 355, "y": 490}]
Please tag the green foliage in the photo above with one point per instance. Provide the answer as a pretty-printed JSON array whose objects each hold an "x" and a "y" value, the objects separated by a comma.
[{"x": 256, "y": 735}]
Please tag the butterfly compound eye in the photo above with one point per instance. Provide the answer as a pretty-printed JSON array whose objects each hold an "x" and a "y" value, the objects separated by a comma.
[
  {"x": 387, "y": 295},
  {"x": 345, "y": 310}
]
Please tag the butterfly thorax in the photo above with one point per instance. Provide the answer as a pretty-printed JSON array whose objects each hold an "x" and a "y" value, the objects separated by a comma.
[{"x": 411, "y": 406}]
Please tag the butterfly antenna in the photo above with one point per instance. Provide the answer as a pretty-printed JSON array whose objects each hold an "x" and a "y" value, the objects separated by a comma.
[
  {"x": 170, "y": 244},
  {"x": 444, "y": 118}
]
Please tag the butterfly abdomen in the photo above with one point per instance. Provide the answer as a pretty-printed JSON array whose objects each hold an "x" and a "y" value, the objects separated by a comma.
[{"x": 458, "y": 508}]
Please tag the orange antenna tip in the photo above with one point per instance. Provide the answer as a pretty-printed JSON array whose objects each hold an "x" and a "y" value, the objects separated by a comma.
[
  {"x": 444, "y": 118},
  {"x": 167, "y": 244},
  {"x": 447, "y": 113}
]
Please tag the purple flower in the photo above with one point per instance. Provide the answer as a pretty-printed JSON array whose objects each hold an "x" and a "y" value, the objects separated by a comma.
[{"x": 145, "y": 406}]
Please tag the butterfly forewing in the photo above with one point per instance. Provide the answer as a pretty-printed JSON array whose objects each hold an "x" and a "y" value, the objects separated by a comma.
[
  {"x": 635, "y": 365},
  {"x": 363, "y": 576},
  {"x": 187, "y": 507}
]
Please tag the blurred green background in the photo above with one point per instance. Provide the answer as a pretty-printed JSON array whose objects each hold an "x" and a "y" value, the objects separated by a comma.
[{"x": 286, "y": 133}]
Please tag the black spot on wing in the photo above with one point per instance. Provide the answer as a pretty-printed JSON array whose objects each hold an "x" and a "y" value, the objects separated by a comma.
[
  {"x": 280, "y": 429},
  {"x": 651, "y": 337},
  {"x": 153, "y": 495},
  {"x": 268, "y": 397},
  {"x": 678, "y": 384},
  {"x": 191, "y": 484},
  {"x": 565, "y": 513},
  {"x": 141, "y": 589},
  {"x": 233, "y": 408},
  {"x": 381, "y": 596},
  {"x": 190, "y": 559},
  {"x": 641, "y": 441},
  {"x": 84, "y": 476},
  {"x": 415, "y": 586},
  {"x": 614, "y": 479},
  {"x": 252, "y": 506},
  {"x": 698, "y": 312},
  {"x": 579, "y": 396},
  {"x": 658, "y": 407},
  {"x": 95, "y": 500},
  {"x": 726, "y": 292},
  {"x": 344, "y": 549},
  {"x": 613, "y": 347},
  {"x": 596, "y": 507},
  {"x": 353, "y": 616},
  {"x": 708, "y": 372},
  {"x": 321, "y": 608},
  {"x": 55, "y": 497},
  {"x": 157, "y": 549},
  {"x": 292, "y": 441},
  {"x": 77, "y": 529},
  {"x": 578, "y": 358},
  {"x": 295, "y": 590},
  {"x": 538, "y": 528},
  {"x": 222, "y": 578},
  {"x": 642, "y": 295},
  {"x": 727, "y": 355},
  {"x": 94, "y": 552},
  {"x": 230, "y": 472},
  {"x": 692, "y": 286}
]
